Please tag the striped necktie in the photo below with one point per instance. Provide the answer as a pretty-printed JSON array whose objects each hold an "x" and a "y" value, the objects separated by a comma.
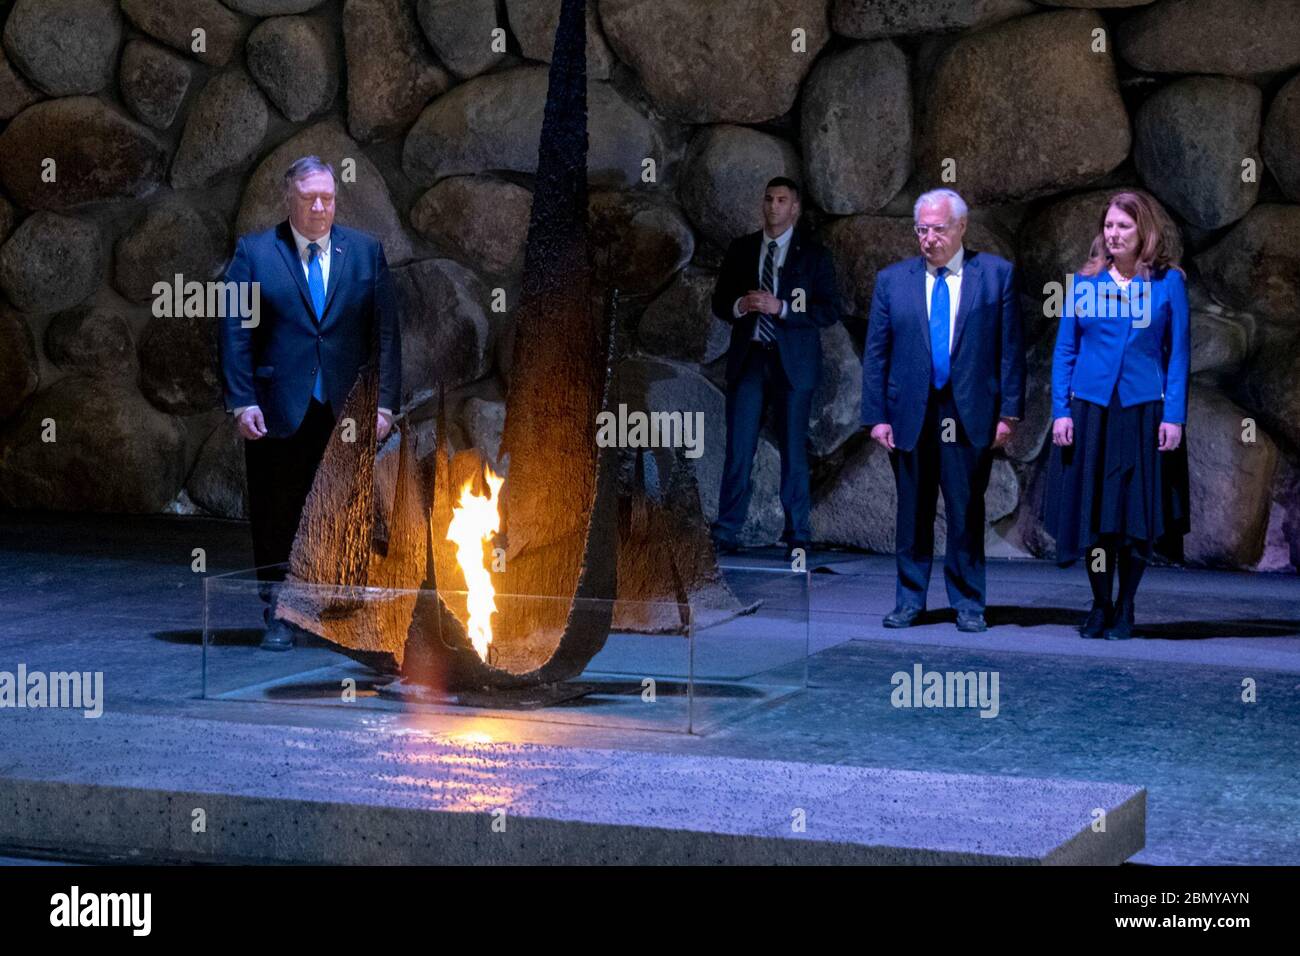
[{"x": 765, "y": 332}]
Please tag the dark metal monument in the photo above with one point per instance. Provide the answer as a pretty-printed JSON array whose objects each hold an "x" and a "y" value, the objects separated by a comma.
[{"x": 590, "y": 541}]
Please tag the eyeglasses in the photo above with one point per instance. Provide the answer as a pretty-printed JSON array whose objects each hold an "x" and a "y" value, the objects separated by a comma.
[{"x": 939, "y": 230}]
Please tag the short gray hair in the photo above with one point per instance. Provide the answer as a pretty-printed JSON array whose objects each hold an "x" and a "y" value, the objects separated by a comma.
[
  {"x": 304, "y": 167},
  {"x": 936, "y": 196}
]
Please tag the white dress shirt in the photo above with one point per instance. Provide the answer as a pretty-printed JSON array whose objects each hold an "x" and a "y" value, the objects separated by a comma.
[
  {"x": 778, "y": 260},
  {"x": 305, "y": 256},
  {"x": 953, "y": 279}
]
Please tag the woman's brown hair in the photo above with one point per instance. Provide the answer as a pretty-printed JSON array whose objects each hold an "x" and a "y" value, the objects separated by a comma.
[{"x": 1160, "y": 246}]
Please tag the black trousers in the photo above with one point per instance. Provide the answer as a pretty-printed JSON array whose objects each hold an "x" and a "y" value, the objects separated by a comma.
[
  {"x": 944, "y": 458},
  {"x": 762, "y": 379},
  {"x": 280, "y": 475}
]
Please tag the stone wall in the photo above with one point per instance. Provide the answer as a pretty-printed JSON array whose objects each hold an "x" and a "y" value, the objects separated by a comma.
[{"x": 164, "y": 153}]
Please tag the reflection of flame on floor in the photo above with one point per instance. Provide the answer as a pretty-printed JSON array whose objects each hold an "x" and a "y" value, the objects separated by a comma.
[{"x": 475, "y": 521}]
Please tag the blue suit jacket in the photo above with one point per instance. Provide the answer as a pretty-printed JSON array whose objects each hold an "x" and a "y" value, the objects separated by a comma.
[
  {"x": 273, "y": 365},
  {"x": 987, "y": 355},
  {"x": 1144, "y": 351},
  {"x": 808, "y": 267}
]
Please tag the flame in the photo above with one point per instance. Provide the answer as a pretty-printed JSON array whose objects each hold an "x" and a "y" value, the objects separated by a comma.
[{"x": 475, "y": 520}]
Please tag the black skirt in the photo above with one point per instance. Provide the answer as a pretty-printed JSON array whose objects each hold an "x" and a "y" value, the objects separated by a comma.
[{"x": 1115, "y": 482}]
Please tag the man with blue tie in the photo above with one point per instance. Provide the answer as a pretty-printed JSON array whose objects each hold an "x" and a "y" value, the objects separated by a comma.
[
  {"x": 777, "y": 289},
  {"x": 942, "y": 385},
  {"x": 326, "y": 303}
]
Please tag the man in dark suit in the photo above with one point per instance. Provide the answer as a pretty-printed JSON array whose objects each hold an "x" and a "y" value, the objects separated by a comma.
[
  {"x": 942, "y": 384},
  {"x": 777, "y": 289},
  {"x": 325, "y": 296}
]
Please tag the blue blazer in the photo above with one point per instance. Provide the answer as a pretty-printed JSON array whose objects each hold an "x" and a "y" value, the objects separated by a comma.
[
  {"x": 808, "y": 266},
  {"x": 1140, "y": 345},
  {"x": 987, "y": 355},
  {"x": 273, "y": 365}
]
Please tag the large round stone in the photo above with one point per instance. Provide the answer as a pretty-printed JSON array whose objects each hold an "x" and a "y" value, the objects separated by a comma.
[
  {"x": 1006, "y": 115},
  {"x": 869, "y": 19},
  {"x": 445, "y": 329},
  {"x": 98, "y": 152},
  {"x": 856, "y": 508},
  {"x": 1053, "y": 243},
  {"x": 1220, "y": 340},
  {"x": 863, "y": 245},
  {"x": 110, "y": 451},
  {"x": 391, "y": 75},
  {"x": 223, "y": 132},
  {"x": 1235, "y": 37},
  {"x": 64, "y": 46},
  {"x": 1281, "y": 141},
  {"x": 153, "y": 81},
  {"x": 460, "y": 32},
  {"x": 493, "y": 122},
  {"x": 1270, "y": 391},
  {"x": 173, "y": 238},
  {"x": 174, "y": 22},
  {"x": 483, "y": 220},
  {"x": 729, "y": 61},
  {"x": 483, "y": 421},
  {"x": 51, "y": 262},
  {"x": 680, "y": 324},
  {"x": 837, "y": 403},
  {"x": 179, "y": 364},
  {"x": 16, "y": 94},
  {"x": 640, "y": 242},
  {"x": 1230, "y": 482},
  {"x": 726, "y": 170},
  {"x": 20, "y": 368},
  {"x": 295, "y": 60},
  {"x": 534, "y": 23},
  {"x": 857, "y": 128},
  {"x": 1256, "y": 266},
  {"x": 1191, "y": 138},
  {"x": 363, "y": 203},
  {"x": 218, "y": 482},
  {"x": 94, "y": 341}
]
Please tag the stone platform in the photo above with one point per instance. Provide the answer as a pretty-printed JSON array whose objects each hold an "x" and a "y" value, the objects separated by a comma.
[{"x": 302, "y": 795}]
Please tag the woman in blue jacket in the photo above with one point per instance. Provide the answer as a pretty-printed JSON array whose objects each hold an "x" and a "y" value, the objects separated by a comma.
[{"x": 1117, "y": 481}]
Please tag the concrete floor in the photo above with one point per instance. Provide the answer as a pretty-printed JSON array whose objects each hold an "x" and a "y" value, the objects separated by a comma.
[{"x": 1164, "y": 712}]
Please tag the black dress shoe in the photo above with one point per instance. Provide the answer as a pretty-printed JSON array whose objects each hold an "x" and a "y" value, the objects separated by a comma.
[
  {"x": 902, "y": 616},
  {"x": 278, "y": 637},
  {"x": 725, "y": 546},
  {"x": 1121, "y": 629},
  {"x": 1095, "y": 625},
  {"x": 972, "y": 622},
  {"x": 801, "y": 545}
]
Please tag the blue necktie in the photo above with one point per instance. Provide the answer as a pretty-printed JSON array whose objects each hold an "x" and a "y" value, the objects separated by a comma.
[
  {"x": 316, "y": 286},
  {"x": 939, "y": 309}
]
